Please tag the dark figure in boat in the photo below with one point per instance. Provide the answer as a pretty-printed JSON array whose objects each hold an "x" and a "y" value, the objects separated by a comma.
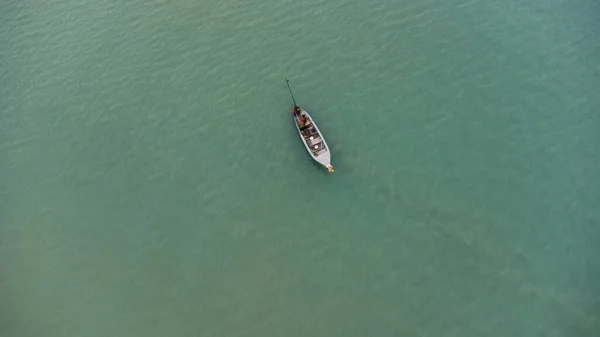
[{"x": 302, "y": 120}]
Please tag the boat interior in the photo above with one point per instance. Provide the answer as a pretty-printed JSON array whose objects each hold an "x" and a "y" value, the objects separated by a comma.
[{"x": 310, "y": 134}]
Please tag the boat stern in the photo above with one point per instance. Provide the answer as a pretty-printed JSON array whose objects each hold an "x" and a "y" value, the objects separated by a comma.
[{"x": 330, "y": 168}]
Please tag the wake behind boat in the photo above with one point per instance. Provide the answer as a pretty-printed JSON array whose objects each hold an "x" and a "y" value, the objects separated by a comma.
[{"x": 311, "y": 135}]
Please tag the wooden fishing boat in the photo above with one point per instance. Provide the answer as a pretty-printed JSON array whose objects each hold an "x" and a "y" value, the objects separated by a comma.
[{"x": 311, "y": 135}]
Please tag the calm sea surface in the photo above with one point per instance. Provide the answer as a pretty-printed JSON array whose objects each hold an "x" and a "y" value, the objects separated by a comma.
[{"x": 152, "y": 183}]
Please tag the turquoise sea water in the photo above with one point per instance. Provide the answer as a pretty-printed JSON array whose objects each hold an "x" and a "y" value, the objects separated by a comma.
[{"x": 152, "y": 182}]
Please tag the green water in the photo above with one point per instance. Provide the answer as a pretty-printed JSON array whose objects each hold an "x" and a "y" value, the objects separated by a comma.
[{"x": 152, "y": 182}]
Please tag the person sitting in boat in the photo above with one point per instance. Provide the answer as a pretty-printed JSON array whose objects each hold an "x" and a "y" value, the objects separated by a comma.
[
  {"x": 297, "y": 112},
  {"x": 302, "y": 121}
]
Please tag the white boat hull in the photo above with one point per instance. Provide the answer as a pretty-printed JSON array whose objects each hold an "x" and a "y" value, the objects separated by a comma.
[{"x": 312, "y": 138}]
